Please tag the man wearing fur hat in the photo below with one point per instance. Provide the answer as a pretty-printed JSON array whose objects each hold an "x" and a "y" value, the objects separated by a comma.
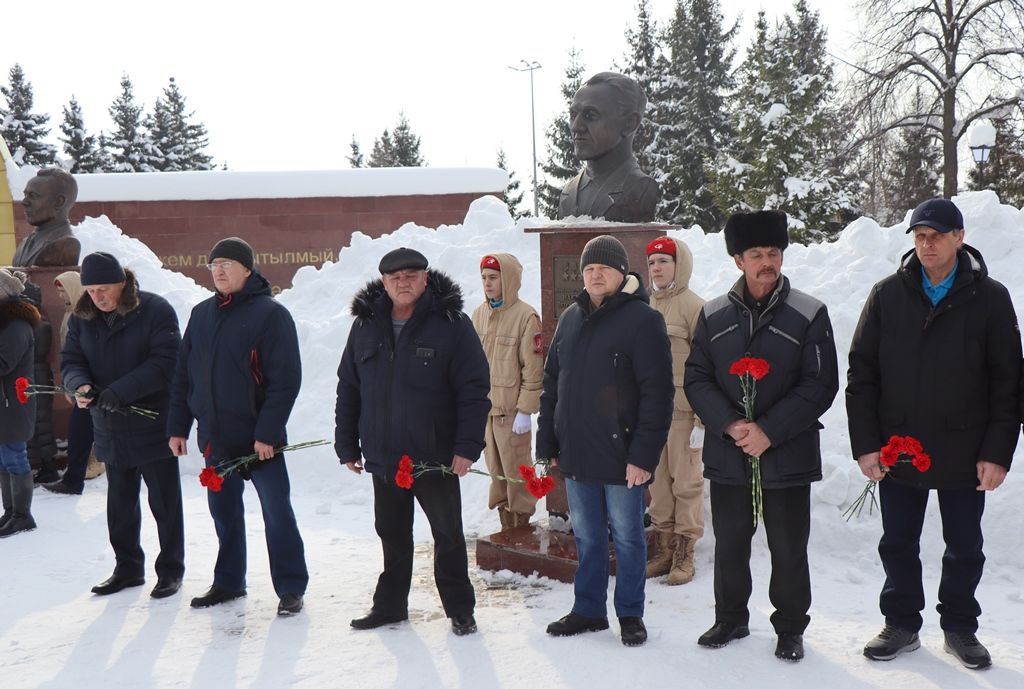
[
  {"x": 763, "y": 317},
  {"x": 677, "y": 493},
  {"x": 936, "y": 356},
  {"x": 413, "y": 381},
  {"x": 509, "y": 330},
  {"x": 604, "y": 418},
  {"x": 120, "y": 351},
  {"x": 238, "y": 375},
  {"x": 18, "y": 319}
]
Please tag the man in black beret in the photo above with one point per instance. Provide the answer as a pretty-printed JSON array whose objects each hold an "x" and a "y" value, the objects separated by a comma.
[
  {"x": 413, "y": 382},
  {"x": 762, "y": 317}
]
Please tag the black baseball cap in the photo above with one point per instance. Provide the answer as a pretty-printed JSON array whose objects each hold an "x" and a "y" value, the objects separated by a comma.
[{"x": 939, "y": 214}]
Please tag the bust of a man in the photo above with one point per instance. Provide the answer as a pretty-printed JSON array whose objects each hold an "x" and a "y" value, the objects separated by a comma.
[
  {"x": 49, "y": 197},
  {"x": 603, "y": 119}
]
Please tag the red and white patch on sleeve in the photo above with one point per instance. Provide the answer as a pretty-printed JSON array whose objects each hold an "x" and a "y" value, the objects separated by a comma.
[{"x": 538, "y": 343}]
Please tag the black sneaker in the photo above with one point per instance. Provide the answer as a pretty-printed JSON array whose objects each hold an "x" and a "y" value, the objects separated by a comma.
[
  {"x": 291, "y": 604},
  {"x": 967, "y": 649},
  {"x": 463, "y": 624},
  {"x": 634, "y": 633},
  {"x": 890, "y": 642},
  {"x": 790, "y": 647},
  {"x": 722, "y": 633},
  {"x": 573, "y": 624}
]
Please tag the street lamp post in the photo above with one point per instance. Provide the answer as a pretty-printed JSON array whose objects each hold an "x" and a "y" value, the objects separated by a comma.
[
  {"x": 982, "y": 141},
  {"x": 530, "y": 67},
  {"x": 980, "y": 154}
]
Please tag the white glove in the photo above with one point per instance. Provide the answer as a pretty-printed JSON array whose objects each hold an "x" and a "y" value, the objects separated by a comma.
[
  {"x": 697, "y": 438},
  {"x": 521, "y": 424}
]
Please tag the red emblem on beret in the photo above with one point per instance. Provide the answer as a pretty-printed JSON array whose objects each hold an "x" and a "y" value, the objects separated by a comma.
[
  {"x": 489, "y": 262},
  {"x": 662, "y": 245}
]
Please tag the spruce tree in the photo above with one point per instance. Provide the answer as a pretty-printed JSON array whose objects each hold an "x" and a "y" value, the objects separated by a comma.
[
  {"x": 23, "y": 130},
  {"x": 643, "y": 65},
  {"x": 784, "y": 155},
  {"x": 1004, "y": 170},
  {"x": 915, "y": 169},
  {"x": 513, "y": 193},
  {"x": 81, "y": 147},
  {"x": 129, "y": 146},
  {"x": 383, "y": 153},
  {"x": 355, "y": 158},
  {"x": 561, "y": 164},
  {"x": 407, "y": 145},
  {"x": 691, "y": 120},
  {"x": 180, "y": 141}
]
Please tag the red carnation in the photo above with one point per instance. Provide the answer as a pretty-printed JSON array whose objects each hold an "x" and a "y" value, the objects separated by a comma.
[
  {"x": 739, "y": 367},
  {"x": 527, "y": 472},
  {"x": 890, "y": 454},
  {"x": 758, "y": 368},
  {"x": 404, "y": 479},
  {"x": 21, "y": 387},
  {"x": 921, "y": 461},
  {"x": 539, "y": 486},
  {"x": 405, "y": 464},
  {"x": 209, "y": 478}
]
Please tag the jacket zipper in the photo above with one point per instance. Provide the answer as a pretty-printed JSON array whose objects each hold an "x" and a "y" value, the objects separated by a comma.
[
  {"x": 724, "y": 332},
  {"x": 773, "y": 329}
]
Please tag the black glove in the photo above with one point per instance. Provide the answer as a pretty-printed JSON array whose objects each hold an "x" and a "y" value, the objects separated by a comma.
[{"x": 109, "y": 401}]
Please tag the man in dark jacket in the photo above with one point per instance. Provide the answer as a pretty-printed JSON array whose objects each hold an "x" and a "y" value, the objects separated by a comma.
[
  {"x": 413, "y": 381},
  {"x": 238, "y": 375},
  {"x": 936, "y": 356},
  {"x": 120, "y": 352},
  {"x": 604, "y": 418},
  {"x": 18, "y": 319},
  {"x": 762, "y": 317}
]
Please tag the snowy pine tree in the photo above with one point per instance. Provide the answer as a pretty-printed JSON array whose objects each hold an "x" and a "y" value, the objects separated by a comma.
[
  {"x": 1004, "y": 170},
  {"x": 691, "y": 120},
  {"x": 561, "y": 164},
  {"x": 82, "y": 149},
  {"x": 23, "y": 130},
  {"x": 643, "y": 65},
  {"x": 129, "y": 146},
  {"x": 179, "y": 140},
  {"x": 355, "y": 158},
  {"x": 784, "y": 155},
  {"x": 914, "y": 171},
  {"x": 398, "y": 149},
  {"x": 513, "y": 194}
]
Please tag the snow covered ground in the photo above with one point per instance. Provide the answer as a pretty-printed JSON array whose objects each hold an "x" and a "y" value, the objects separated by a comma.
[{"x": 55, "y": 634}]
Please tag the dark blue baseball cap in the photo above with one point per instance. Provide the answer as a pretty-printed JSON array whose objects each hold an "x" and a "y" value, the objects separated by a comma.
[{"x": 939, "y": 214}]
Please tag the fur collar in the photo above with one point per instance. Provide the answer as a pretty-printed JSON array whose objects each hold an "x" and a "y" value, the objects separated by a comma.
[
  {"x": 87, "y": 311},
  {"x": 444, "y": 294},
  {"x": 18, "y": 309}
]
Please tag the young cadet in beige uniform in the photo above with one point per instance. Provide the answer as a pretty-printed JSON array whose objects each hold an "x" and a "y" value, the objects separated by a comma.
[
  {"x": 677, "y": 493},
  {"x": 509, "y": 330}
]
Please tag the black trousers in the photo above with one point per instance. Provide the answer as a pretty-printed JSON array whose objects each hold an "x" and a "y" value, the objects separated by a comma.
[
  {"x": 787, "y": 523},
  {"x": 79, "y": 447},
  {"x": 440, "y": 498},
  {"x": 124, "y": 517},
  {"x": 902, "y": 599}
]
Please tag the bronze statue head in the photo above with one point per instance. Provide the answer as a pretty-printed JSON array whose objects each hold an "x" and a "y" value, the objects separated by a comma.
[
  {"x": 605, "y": 114},
  {"x": 49, "y": 197}
]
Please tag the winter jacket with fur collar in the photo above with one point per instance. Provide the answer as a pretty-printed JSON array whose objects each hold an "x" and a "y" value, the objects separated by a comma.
[{"x": 17, "y": 342}]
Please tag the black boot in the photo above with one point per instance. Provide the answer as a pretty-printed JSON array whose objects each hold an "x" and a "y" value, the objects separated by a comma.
[
  {"x": 722, "y": 633},
  {"x": 5, "y": 490},
  {"x": 21, "y": 506},
  {"x": 573, "y": 624}
]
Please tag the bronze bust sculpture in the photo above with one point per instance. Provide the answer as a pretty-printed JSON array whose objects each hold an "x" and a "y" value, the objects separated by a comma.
[
  {"x": 603, "y": 119},
  {"x": 49, "y": 197}
]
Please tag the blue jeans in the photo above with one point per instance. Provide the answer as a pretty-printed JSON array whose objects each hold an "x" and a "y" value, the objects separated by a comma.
[
  {"x": 594, "y": 507},
  {"x": 14, "y": 459}
]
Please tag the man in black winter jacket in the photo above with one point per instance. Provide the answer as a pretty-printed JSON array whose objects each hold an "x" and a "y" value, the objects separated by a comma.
[
  {"x": 604, "y": 419},
  {"x": 238, "y": 375},
  {"x": 413, "y": 381},
  {"x": 762, "y": 317},
  {"x": 120, "y": 351},
  {"x": 936, "y": 356}
]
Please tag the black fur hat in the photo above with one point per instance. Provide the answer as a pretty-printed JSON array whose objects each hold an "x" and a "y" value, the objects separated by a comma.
[{"x": 762, "y": 228}]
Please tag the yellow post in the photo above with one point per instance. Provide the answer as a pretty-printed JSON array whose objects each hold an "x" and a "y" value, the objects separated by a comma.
[{"x": 7, "y": 241}]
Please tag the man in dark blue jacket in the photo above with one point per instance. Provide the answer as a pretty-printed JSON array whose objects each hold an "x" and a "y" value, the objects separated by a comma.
[
  {"x": 762, "y": 317},
  {"x": 238, "y": 375},
  {"x": 604, "y": 419},
  {"x": 414, "y": 381},
  {"x": 936, "y": 356},
  {"x": 119, "y": 352}
]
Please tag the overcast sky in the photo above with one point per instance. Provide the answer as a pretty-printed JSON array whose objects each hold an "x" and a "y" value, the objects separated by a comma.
[{"x": 285, "y": 85}]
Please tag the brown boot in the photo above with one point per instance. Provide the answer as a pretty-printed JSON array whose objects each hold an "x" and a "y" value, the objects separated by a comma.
[
  {"x": 520, "y": 519},
  {"x": 661, "y": 562},
  {"x": 94, "y": 468},
  {"x": 506, "y": 518},
  {"x": 682, "y": 562}
]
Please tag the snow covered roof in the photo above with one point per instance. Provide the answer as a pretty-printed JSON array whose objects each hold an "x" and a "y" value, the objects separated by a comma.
[{"x": 224, "y": 184}]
